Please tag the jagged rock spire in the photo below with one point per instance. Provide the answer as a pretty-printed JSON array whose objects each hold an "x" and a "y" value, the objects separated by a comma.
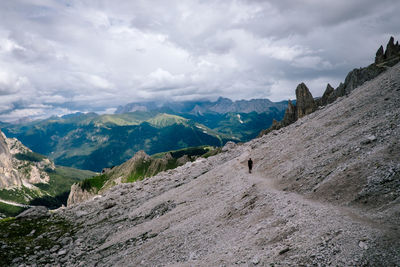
[
  {"x": 328, "y": 96},
  {"x": 304, "y": 101},
  {"x": 290, "y": 114},
  {"x": 380, "y": 56},
  {"x": 392, "y": 51},
  {"x": 390, "y": 48}
]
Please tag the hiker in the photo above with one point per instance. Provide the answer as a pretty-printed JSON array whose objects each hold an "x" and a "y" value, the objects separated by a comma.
[{"x": 250, "y": 163}]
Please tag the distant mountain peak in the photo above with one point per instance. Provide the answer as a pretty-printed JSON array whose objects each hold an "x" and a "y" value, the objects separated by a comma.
[{"x": 221, "y": 106}]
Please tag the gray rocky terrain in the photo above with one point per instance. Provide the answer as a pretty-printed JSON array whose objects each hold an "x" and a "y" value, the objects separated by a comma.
[
  {"x": 324, "y": 192},
  {"x": 14, "y": 171}
]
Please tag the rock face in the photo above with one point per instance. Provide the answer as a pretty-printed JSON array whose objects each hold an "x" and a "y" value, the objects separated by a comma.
[
  {"x": 380, "y": 55},
  {"x": 77, "y": 195},
  {"x": 305, "y": 103},
  {"x": 290, "y": 114},
  {"x": 356, "y": 78},
  {"x": 7, "y": 176},
  {"x": 328, "y": 96},
  {"x": 392, "y": 50},
  {"x": 15, "y": 171}
]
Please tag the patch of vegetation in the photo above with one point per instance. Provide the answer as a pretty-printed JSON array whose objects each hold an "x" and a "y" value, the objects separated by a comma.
[
  {"x": 20, "y": 238},
  {"x": 19, "y": 195},
  {"x": 51, "y": 202},
  {"x": 95, "y": 183},
  {"x": 30, "y": 156},
  {"x": 140, "y": 172},
  {"x": 190, "y": 151},
  {"x": 212, "y": 152},
  {"x": 10, "y": 210},
  {"x": 164, "y": 120}
]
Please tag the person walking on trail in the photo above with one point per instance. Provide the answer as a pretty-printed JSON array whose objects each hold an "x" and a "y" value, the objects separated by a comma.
[{"x": 250, "y": 164}]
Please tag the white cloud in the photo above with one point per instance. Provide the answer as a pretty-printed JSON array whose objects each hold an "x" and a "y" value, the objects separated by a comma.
[
  {"x": 95, "y": 55},
  {"x": 11, "y": 83}
]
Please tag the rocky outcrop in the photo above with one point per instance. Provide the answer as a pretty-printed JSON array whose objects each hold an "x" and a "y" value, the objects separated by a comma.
[
  {"x": 356, "y": 78},
  {"x": 392, "y": 53},
  {"x": 380, "y": 55},
  {"x": 77, "y": 195},
  {"x": 392, "y": 50},
  {"x": 328, "y": 96},
  {"x": 34, "y": 213},
  {"x": 305, "y": 103},
  {"x": 16, "y": 168},
  {"x": 9, "y": 177},
  {"x": 290, "y": 114},
  {"x": 138, "y": 167}
]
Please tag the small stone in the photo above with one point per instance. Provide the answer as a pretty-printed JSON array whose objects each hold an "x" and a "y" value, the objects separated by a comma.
[
  {"x": 55, "y": 248},
  {"x": 32, "y": 232},
  {"x": 62, "y": 252},
  {"x": 369, "y": 139},
  {"x": 363, "y": 245},
  {"x": 255, "y": 261},
  {"x": 284, "y": 250},
  {"x": 17, "y": 260}
]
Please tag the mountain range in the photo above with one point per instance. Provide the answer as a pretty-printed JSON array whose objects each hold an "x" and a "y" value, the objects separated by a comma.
[
  {"x": 91, "y": 141},
  {"x": 220, "y": 106}
]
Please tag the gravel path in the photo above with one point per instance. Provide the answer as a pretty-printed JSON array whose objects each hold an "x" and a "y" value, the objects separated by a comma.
[{"x": 15, "y": 204}]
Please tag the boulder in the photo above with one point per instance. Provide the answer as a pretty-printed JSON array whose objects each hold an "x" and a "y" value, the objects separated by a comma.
[{"x": 34, "y": 213}]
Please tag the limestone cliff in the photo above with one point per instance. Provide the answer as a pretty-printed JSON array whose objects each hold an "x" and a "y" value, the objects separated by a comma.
[
  {"x": 19, "y": 166},
  {"x": 8, "y": 176},
  {"x": 78, "y": 195}
]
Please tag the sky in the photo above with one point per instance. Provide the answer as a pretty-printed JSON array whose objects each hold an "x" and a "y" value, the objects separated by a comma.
[{"x": 59, "y": 57}]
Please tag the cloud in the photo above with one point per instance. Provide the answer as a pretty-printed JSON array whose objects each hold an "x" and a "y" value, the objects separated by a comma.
[
  {"x": 11, "y": 83},
  {"x": 98, "y": 54}
]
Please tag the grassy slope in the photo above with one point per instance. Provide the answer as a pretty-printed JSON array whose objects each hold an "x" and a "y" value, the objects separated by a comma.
[
  {"x": 147, "y": 168},
  {"x": 10, "y": 210}
]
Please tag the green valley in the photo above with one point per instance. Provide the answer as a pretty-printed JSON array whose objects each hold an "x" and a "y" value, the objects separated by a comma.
[{"x": 93, "y": 142}]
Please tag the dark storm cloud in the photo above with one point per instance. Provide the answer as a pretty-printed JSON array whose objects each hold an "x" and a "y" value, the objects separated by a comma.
[{"x": 58, "y": 57}]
